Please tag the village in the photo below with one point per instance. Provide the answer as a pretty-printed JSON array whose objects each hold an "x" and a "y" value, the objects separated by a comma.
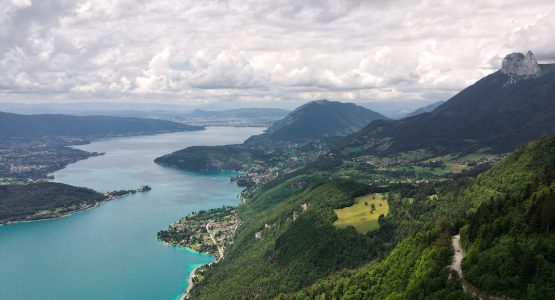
[
  {"x": 31, "y": 160},
  {"x": 210, "y": 231}
]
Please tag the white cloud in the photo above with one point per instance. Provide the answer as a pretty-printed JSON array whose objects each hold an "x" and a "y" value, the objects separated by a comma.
[{"x": 276, "y": 51}]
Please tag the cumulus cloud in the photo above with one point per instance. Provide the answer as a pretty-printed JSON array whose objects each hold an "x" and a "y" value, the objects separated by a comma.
[{"x": 279, "y": 51}]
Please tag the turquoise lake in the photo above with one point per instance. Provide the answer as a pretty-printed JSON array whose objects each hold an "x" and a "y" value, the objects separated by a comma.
[{"x": 111, "y": 252}]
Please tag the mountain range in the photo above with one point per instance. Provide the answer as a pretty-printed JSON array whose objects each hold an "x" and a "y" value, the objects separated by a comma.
[{"x": 33, "y": 126}]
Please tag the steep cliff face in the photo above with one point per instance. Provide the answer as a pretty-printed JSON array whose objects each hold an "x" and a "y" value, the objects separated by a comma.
[{"x": 520, "y": 65}]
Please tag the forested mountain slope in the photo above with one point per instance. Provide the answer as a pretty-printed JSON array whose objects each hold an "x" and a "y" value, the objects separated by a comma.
[
  {"x": 287, "y": 240},
  {"x": 506, "y": 216}
]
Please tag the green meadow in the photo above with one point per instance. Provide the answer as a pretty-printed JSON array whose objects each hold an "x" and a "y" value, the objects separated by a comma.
[{"x": 364, "y": 214}]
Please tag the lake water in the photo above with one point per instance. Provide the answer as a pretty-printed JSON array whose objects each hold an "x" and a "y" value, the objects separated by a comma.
[{"x": 111, "y": 252}]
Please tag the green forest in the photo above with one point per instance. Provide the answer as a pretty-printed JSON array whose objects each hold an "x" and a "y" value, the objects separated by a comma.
[{"x": 43, "y": 200}]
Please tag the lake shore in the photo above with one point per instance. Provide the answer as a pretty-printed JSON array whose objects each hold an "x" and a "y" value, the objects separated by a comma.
[
  {"x": 67, "y": 214},
  {"x": 198, "y": 230},
  {"x": 190, "y": 282},
  {"x": 108, "y": 197}
]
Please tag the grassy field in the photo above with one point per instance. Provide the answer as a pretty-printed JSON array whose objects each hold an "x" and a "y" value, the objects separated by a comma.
[{"x": 360, "y": 216}]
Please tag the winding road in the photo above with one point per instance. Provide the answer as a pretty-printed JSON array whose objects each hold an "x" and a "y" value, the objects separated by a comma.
[
  {"x": 467, "y": 286},
  {"x": 220, "y": 249},
  {"x": 459, "y": 255}
]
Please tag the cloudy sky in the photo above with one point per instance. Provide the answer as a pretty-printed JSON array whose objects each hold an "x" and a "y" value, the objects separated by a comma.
[{"x": 259, "y": 52}]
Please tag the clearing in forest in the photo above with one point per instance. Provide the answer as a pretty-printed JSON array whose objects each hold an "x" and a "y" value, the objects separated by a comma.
[{"x": 364, "y": 214}]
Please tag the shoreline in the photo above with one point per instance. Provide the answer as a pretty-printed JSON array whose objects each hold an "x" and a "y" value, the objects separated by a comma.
[
  {"x": 54, "y": 218},
  {"x": 190, "y": 282},
  {"x": 216, "y": 257},
  {"x": 68, "y": 214}
]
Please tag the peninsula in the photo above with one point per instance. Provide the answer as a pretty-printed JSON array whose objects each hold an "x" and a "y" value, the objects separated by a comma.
[{"x": 49, "y": 200}]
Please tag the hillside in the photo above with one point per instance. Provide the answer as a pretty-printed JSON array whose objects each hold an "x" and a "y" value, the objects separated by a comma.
[
  {"x": 506, "y": 215},
  {"x": 318, "y": 119},
  {"x": 35, "y": 126},
  {"x": 287, "y": 241},
  {"x": 230, "y": 157},
  {"x": 501, "y": 111},
  {"x": 43, "y": 200}
]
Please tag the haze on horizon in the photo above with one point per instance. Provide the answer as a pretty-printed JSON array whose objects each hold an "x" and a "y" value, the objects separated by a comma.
[{"x": 260, "y": 53}]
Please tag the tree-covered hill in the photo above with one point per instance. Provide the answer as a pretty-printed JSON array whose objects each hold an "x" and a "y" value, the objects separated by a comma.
[
  {"x": 229, "y": 157},
  {"x": 317, "y": 119},
  {"x": 43, "y": 200}
]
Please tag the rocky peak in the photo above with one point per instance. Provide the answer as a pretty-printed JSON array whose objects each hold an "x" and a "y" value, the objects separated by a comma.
[{"x": 520, "y": 65}]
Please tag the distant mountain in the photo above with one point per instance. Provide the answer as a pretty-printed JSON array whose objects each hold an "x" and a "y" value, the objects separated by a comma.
[
  {"x": 33, "y": 126},
  {"x": 427, "y": 108},
  {"x": 262, "y": 117},
  {"x": 318, "y": 119},
  {"x": 314, "y": 120},
  {"x": 501, "y": 111},
  {"x": 254, "y": 113}
]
